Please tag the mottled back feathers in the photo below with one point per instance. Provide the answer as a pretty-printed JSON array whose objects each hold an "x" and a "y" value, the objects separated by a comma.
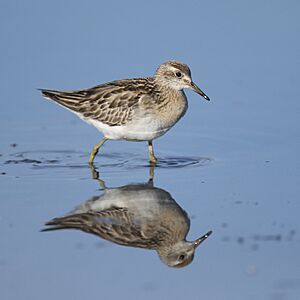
[
  {"x": 112, "y": 103},
  {"x": 115, "y": 224}
]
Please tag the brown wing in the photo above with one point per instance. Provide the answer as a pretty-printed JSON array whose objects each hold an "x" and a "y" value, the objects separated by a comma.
[
  {"x": 115, "y": 224},
  {"x": 111, "y": 103}
]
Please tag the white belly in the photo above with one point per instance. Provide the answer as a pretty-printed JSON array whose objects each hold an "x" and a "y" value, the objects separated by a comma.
[{"x": 145, "y": 129}]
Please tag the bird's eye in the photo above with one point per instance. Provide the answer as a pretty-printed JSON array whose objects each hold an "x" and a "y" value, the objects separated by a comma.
[
  {"x": 181, "y": 257},
  {"x": 178, "y": 74}
]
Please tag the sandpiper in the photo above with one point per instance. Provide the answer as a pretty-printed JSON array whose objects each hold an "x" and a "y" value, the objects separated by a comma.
[
  {"x": 137, "y": 109},
  {"x": 136, "y": 215}
]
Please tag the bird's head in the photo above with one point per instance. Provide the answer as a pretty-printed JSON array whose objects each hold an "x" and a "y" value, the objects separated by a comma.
[
  {"x": 178, "y": 76},
  {"x": 182, "y": 253}
]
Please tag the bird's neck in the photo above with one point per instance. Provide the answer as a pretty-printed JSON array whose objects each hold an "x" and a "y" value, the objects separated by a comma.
[{"x": 172, "y": 102}]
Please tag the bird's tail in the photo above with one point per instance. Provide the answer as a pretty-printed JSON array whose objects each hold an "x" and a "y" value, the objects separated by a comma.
[
  {"x": 67, "y": 222},
  {"x": 69, "y": 99}
]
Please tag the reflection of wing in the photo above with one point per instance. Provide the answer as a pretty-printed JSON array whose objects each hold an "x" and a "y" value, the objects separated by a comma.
[
  {"x": 112, "y": 103},
  {"x": 114, "y": 224}
]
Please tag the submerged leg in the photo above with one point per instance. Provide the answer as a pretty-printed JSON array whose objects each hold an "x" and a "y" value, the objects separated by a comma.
[
  {"x": 96, "y": 149},
  {"x": 152, "y": 157}
]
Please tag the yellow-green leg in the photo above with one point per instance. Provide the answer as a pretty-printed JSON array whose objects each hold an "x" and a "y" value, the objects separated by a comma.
[
  {"x": 96, "y": 149},
  {"x": 152, "y": 157}
]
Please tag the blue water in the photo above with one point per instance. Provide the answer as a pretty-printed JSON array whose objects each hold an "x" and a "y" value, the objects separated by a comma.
[{"x": 232, "y": 164}]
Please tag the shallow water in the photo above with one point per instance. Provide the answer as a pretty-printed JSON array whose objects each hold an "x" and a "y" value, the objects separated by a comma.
[
  {"x": 246, "y": 201},
  {"x": 231, "y": 164}
]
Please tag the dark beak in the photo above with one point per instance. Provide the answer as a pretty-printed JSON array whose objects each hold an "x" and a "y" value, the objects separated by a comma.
[
  {"x": 198, "y": 91},
  {"x": 202, "y": 239}
]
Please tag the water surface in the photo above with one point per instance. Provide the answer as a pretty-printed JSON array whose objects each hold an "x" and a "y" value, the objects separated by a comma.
[{"x": 231, "y": 164}]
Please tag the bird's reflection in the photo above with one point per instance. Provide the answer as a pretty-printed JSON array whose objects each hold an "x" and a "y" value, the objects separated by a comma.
[{"x": 136, "y": 215}]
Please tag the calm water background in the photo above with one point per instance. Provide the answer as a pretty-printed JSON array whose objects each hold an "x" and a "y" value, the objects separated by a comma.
[{"x": 235, "y": 159}]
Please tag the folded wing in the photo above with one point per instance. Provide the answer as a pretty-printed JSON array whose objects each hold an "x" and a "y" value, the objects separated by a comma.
[
  {"x": 115, "y": 224},
  {"x": 112, "y": 103}
]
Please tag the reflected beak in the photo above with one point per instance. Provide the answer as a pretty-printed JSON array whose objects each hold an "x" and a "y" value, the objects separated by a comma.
[
  {"x": 198, "y": 91},
  {"x": 202, "y": 239}
]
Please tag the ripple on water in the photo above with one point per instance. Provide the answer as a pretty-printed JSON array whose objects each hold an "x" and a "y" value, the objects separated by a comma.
[{"x": 59, "y": 159}]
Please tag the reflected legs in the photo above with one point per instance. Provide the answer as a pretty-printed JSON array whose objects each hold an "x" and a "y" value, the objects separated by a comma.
[{"x": 95, "y": 175}]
